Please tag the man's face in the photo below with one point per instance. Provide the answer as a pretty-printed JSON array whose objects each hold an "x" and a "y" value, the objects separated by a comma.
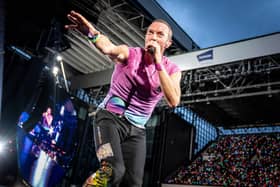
[
  {"x": 159, "y": 33},
  {"x": 49, "y": 110}
]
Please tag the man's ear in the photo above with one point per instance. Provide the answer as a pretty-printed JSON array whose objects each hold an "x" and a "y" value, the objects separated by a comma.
[{"x": 168, "y": 44}]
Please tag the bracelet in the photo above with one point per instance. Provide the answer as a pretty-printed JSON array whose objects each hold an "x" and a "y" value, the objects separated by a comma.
[
  {"x": 93, "y": 38},
  {"x": 159, "y": 66}
]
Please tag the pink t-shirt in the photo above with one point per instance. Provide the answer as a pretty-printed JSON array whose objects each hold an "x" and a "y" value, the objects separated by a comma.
[{"x": 135, "y": 87}]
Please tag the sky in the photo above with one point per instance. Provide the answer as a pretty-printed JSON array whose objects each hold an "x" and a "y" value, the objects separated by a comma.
[{"x": 215, "y": 22}]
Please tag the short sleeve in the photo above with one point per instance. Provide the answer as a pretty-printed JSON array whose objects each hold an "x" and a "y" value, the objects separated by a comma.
[{"x": 171, "y": 68}]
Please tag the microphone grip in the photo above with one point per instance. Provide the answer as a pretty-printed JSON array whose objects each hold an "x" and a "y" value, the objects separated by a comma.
[{"x": 151, "y": 50}]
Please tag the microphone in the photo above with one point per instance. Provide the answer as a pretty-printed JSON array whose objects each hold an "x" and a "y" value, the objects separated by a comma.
[{"x": 151, "y": 50}]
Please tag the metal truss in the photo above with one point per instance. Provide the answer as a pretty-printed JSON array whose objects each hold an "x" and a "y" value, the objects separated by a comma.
[{"x": 245, "y": 78}]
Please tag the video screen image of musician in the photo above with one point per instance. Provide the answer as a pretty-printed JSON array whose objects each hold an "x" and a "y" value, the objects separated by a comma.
[{"x": 52, "y": 143}]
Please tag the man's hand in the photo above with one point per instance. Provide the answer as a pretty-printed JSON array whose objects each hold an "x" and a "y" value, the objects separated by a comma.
[
  {"x": 153, "y": 48},
  {"x": 117, "y": 53},
  {"x": 80, "y": 23}
]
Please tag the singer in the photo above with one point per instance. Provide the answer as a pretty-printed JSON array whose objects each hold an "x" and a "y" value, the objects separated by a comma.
[{"x": 142, "y": 76}]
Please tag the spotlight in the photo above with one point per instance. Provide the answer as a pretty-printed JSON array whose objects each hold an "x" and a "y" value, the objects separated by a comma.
[
  {"x": 2, "y": 147},
  {"x": 55, "y": 70},
  {"x": 59, "y": 58},
  {"x": 217, "y": 72}
]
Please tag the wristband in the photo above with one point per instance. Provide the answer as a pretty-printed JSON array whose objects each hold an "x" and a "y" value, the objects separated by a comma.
[
  {"x": 159, "y": 66},
  {"x": 93, "y": 38}
]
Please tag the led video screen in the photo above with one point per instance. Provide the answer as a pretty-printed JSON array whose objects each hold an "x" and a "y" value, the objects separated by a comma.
[{"x": 47, "y": 138}]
